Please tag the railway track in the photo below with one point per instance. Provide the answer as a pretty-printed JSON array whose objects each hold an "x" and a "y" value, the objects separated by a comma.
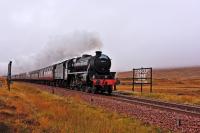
[
  {"x": 175, "y": 117},
  {"x": 152, "y": 103},
  {"x": 182, "y": 108}
]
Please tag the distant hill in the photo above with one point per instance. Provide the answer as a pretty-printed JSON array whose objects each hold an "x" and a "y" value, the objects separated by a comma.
[{"x": 171, "y": 73}]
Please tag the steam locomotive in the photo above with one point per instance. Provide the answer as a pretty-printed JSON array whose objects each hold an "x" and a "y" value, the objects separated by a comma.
[{"x": 87, "y": 73}]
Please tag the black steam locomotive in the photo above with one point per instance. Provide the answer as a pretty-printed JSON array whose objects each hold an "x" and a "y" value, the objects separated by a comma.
[{"x": 87, "y": 73}]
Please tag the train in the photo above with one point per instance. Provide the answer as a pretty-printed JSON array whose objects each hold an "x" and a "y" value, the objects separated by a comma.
[{"x": 89, "y": 73}]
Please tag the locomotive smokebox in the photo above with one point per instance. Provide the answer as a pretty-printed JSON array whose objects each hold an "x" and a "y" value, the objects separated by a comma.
[{"x": 98, "y": 53}]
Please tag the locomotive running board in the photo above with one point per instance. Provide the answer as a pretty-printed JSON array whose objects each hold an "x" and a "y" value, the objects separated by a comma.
[{"x": 78, "y": 72}]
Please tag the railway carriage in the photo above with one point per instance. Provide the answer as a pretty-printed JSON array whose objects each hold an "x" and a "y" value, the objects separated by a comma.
[
  {"x": 47, "y": 73},
  {"x": 34, "y": 75}
]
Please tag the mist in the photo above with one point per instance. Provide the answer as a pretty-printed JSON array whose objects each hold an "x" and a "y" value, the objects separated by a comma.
[
  {"x": 59, "y": 48},
  {"x": 3, "y": 69},
  {"x": 158, "y": 34}
]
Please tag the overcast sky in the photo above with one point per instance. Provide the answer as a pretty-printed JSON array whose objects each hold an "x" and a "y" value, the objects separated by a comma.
[{"x": 135, "y": 33}]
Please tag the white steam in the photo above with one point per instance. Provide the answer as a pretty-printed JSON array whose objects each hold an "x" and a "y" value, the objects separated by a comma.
[{"x": 57, "y": 49}]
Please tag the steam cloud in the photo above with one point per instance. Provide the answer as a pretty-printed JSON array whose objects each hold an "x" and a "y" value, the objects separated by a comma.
[{"x": 57, "y": 49}]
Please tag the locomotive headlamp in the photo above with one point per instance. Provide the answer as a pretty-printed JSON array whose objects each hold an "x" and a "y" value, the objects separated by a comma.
[{"x": 93, "y": 76}]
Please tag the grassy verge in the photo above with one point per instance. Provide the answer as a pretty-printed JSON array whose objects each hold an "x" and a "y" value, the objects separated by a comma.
[
  {"x": 28, "y": 109},
  {"x": 186, "y": 96}
]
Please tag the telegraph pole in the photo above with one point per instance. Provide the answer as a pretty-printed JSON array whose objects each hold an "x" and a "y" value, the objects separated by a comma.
[{"x": 9, "y": 75}]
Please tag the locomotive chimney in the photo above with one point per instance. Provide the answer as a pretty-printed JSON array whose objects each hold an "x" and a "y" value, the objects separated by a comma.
[{"x": 98, "y": 53}]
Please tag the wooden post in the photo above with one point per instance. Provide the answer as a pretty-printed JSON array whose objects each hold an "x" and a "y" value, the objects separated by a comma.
[
  {"x": 178, "y": 122},
  {"x": 151, "y": 81},
  {"x": 9, "y": 75},
  {"x": 141, "y": 79},
  {"x": 8, "y": 84},
  {"x": 115, "y": 87},
  {"x": 133, "y": 88}
]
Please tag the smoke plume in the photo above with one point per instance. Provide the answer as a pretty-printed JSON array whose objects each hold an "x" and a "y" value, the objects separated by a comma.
[{"x": 57, "y": 49}]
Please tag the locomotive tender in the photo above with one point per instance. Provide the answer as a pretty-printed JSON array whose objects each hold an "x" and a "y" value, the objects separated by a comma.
[{"x": 87, "y": 73}]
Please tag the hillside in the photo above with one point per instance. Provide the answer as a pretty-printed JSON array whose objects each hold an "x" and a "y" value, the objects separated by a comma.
[
  {"x": 175, "y": 84},
  {"x": 172, "y": 73}
]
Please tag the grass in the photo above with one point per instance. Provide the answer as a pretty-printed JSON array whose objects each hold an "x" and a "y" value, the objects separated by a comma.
[
  {"x": 181, "y": 85},
  {"x": 28, "y": 109},
  {"x": 171, "y": 94}
]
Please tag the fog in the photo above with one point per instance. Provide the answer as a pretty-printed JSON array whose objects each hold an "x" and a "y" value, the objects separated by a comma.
[{"x": 133, "y": 33}]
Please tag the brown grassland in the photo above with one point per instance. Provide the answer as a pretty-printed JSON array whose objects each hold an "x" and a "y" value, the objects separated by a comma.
[
  {"x": 28, "y": 109},
  {"x": 180, "y": 85}
]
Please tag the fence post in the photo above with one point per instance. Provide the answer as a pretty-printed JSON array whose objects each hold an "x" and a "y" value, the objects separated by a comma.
[
  {"x": 141, "y": 79},
  {"x": 9, "y": 75},
  {"x": 133, "y": 88},
  {"x": 151, "y": 80}
]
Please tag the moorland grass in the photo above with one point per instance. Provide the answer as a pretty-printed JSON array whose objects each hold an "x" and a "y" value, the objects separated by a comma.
[{"x": 33, "y": 110}]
